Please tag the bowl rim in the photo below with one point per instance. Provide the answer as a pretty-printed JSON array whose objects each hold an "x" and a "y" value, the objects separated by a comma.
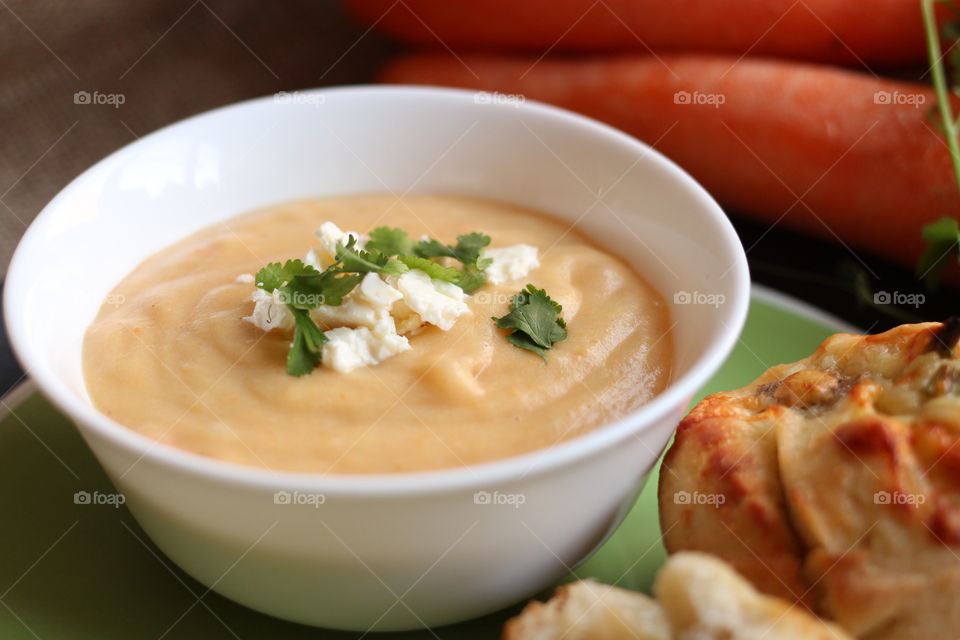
[{"x": 477, "y": 476}]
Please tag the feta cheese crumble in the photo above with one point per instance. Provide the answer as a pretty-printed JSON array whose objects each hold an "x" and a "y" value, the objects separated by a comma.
[
  {"x": 347, "y": 349},
  {"x": 329, "y": 235},
  {"x": 510, "y": 263},
  {"x": 269, "y": 312},
  {"x": 435, "y": 301}
]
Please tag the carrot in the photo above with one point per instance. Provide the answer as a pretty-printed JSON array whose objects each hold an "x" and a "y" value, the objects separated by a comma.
[
  {"x": 823, "y": 150},
  {"x": 844, "y": 31}
]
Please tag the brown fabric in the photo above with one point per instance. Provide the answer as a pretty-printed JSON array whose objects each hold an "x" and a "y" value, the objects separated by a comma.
[{"x": 167, "y": 58}]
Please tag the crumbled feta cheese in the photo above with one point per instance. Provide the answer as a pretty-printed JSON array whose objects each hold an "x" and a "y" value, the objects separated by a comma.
[
  {"x": 346, "y": 349},
  {"x": 385, "y": 325},
  {"x": 269, "y": 312},
  {"x": 313, "y": 259},
  {"x": 368, "y": 305},
  {"x": 244, "y": 278},
  {"x": 510, "y": 263},
  {"x": 329, "y": 235},
  {"x": 450, "y": 290},
  {"x": 352, "y": 313},
  {"x": 374, "y": 290},
  {"x": 406, "y": 321},
  {"x": 437, "y": 302}
]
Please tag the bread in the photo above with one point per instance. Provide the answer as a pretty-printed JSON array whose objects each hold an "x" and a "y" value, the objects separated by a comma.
[
  {"x": 834, "y": 482},
  {"x": 698, "y": 598},
  {"x": 588, "y": 610}
]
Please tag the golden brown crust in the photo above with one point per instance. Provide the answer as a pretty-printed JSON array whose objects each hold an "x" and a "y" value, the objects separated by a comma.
[
  {"x": 703, "y": 598},
  {"x": 589, "y": 610},
  {"x": 699, "y": 597},
  {"x": 844, "y": 493}
]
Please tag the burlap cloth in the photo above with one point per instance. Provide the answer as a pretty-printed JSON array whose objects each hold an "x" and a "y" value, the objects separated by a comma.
[{"x": 144, "y": 64}]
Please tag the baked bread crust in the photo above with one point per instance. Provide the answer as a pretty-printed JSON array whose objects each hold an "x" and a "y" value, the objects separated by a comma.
[
  {"x": 699, "y": 597},
  {"x": 834, "y": 481}
]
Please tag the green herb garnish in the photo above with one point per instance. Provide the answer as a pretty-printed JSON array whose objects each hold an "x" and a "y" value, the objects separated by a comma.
[
  {"x": 433, "y": 269},
  {"x": 389, "y": 251},
  {"x": 301, "y": 288},
  {"x": 941, "y": 237},
  {"x": 468, "y": 252},
  {"x": 367, "y": 260},
  {"x": 535, "y": 320},
  {"x": 390, "y": 241},
  {"x": 305, "y": 351}
]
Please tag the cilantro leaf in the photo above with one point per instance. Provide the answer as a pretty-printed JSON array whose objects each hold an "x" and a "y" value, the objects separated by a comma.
[
  {"x": 329, "y": 288},
  {"x": 523, "y": 341},
  {"x": 433, "y": 248},
  {"x": 305, "y": 352},
  {"x": 433, "y": 269},
  {"x": 356, "y": 260},
  {"x": 535, "y": 320},
  {"x": 301, "y": 286},
  {"x": 943, "y": 242},
  {"x": 393, "y": 267},
  {"x": 275, "y": 276},
  {"x": 468, "y": 251},
  {"x": 390, "y": 241},
  {"x": 470, "y": 246},
  {"x": 471, "y": 278}
]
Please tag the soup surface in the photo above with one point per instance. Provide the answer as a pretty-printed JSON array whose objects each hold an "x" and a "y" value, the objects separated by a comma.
[{"x": 176, "y": 362}]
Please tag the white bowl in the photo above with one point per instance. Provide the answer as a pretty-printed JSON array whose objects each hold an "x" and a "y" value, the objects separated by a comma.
[{"x": 383, "y": 552}]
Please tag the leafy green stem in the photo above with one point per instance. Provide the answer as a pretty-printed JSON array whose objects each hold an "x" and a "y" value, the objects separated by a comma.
[{"x": 940, "y": 86}]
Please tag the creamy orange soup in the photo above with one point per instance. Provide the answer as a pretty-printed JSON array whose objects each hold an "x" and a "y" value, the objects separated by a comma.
[{"x": 176, "y": 362}]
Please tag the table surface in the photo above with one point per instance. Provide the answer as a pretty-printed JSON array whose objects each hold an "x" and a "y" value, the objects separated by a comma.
[{"x": 172, "y": 58}]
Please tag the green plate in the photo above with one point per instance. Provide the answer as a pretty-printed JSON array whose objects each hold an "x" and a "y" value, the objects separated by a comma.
[{"x": 73, "y": 571}]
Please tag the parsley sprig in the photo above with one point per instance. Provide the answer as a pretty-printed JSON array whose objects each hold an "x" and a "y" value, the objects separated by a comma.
[
  {"x": 535, "y": 320},
  {"x": 942, "y": 237}
]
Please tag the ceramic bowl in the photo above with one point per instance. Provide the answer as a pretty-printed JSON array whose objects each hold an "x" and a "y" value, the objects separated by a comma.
[{"x": 378, "y": 552}]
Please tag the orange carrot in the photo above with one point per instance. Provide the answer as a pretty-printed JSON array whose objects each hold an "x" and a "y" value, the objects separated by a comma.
[
  {"x": 840, "y": 154},
  {"x": 845, "y": 31}
]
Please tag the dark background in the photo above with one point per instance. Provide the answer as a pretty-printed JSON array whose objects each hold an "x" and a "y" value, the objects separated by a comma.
[{"x": 171, "y": 59}]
